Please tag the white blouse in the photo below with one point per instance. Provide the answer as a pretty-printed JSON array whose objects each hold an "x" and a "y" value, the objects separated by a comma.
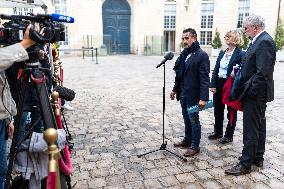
[{"x": 224, "y": 64}]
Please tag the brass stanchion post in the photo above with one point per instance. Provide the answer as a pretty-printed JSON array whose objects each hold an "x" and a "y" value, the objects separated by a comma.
[{"x": 50, "y": 136}]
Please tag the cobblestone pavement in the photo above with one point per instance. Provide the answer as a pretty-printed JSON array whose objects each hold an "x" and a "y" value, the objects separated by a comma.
[{"x": 119, "y": 115}]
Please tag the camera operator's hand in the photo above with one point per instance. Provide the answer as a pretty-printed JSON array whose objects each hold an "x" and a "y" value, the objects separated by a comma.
[
  {"x": 27, "y": 41},
  {"x": 41, "y": 54},
  {"x": 10, "y": 130},
  {"x": 173, "y": 95}
]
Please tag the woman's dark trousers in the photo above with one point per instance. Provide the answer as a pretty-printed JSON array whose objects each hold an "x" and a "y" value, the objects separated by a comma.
[{"x": 219, "y": 112}]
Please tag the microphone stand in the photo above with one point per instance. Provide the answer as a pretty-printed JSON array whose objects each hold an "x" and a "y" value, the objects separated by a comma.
[{"x": 164, "y": 143}]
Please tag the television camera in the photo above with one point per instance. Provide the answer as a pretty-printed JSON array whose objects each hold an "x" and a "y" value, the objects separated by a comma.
[{"x": 52, "y": 31}]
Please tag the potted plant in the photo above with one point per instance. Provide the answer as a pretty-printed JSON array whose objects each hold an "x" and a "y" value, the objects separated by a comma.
[
  {"x": 279, "y": 41},
  {"x": 216, "y": 44}
]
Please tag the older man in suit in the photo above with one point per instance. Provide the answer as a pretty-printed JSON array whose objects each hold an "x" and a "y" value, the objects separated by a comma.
[
  {"x": 191, "y": 87},
  {"x": 256, "y": 88},
  {"x": 9, "y": 55}
]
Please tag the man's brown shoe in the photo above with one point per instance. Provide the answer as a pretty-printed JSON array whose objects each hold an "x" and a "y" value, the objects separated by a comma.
[
  {"x": 238, "y": 170},
  {"x": 191, "y": 152},
  {"x": 182, "y": 144}
]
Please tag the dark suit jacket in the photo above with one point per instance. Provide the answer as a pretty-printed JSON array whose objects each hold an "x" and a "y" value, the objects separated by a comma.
[
  {"x": 194, "y": 80},
  {"x": 235, "y": 59},
  {"x": 256, "y": 79}
]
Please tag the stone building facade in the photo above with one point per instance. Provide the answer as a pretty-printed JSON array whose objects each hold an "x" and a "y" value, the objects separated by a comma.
[{"x": 155, "y": 26}]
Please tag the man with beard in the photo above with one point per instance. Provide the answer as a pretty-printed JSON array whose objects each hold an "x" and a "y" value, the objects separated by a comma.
[{"x": 191, "y": 88}]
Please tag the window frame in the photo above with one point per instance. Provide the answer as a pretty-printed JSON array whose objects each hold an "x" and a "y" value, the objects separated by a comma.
[
  {"x": 170, "y": 16},
  {"x": 206, "y": 22},
  {"x": 206, "y": 39},
  {"x": 244, "y": 10}
]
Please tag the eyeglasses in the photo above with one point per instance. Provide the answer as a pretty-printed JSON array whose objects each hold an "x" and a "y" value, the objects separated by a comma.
[{"x": 184, "y": 38}]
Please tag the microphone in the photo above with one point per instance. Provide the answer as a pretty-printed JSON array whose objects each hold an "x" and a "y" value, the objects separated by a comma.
[
  {"x": 168, "y": 56},
  {"x": 62, "y": 18}
]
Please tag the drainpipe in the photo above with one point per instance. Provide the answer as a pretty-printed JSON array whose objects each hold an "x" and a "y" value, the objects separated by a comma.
[{"x": 278, "y": 12}]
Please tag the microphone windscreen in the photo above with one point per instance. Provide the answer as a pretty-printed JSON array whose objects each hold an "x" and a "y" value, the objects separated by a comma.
[
  {"x": 169, "y": 56},
  {"x": 65, "y": 93}
]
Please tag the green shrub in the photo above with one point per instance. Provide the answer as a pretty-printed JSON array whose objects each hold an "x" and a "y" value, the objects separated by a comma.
[
  {"x": 216, "y": 43},
  {"x": 246, "y": 42},
  {"x": 279, "y": 37}
]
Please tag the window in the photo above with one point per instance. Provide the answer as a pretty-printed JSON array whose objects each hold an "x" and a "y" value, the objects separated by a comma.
[
  {"x": 66, "y": 42},
  {"x": 203, "y": 21},
  {"x": 170, "y": 9},
  {"x": 56, "y": 2},
  {"x": 14, "y": 10},
  {"x": 22, "y": 11},
  {"x": 207, "y": 11},
  {"x": 61, "y": 8},
  {"x": 210, "y": 21},
  {"x": 169, "y": 26},
  {"x": 170, "y": 22},
  {"x": 166, "y": 22},
  {"x": 205, "y": 37},
  {"x": 209, "y": 38},
  {"x": 244, "y": 6},
  {"x": 173, "y": 22},
  {"x": 170, "y": 17},
  {"x": 207, "y": 8}
]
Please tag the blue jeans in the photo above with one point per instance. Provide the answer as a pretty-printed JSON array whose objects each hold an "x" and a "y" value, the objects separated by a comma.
[
  {"x": 192, "y": 129},
  {"x": 3, "y": 153},
  {"x": 39, "y": 127}
]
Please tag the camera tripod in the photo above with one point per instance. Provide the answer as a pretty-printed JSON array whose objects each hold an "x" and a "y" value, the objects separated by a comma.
[
  {"x": 32, "y": 75},
  {"x": 164, "y": 143}
]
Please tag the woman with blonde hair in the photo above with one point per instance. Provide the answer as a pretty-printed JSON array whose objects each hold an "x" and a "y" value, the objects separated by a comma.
[{"x": 224, "y": 66}]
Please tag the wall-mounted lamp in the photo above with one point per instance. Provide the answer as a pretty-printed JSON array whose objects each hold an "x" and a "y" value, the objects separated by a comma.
[{"x": 186, "y": 4}]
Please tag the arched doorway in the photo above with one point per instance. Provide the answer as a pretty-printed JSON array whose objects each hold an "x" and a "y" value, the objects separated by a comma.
[{"x": 116, "y": 26}]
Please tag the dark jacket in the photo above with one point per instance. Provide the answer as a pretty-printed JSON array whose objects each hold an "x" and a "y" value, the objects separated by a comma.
[
  {"x": 256, "y": 79},
  {"x": 192, "y": 77},
  {"x": 235, "y": 59}
]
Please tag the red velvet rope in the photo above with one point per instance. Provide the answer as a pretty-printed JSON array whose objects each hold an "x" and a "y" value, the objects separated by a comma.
[
  {"x": 61, "y": 74},
  {"x": 51, "y": 180},
  {"x": 66, "y": 166}
]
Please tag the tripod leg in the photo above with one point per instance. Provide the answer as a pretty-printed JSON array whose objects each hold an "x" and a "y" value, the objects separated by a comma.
[
  {"x": 179, "y": 156},
  {"x": 44, "y": 102},
  {"x": 147, "y": 153},
  {"x": 15, "y": 143}
]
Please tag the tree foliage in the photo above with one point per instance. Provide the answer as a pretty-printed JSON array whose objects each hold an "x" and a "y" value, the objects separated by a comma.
[
  {"x": 246, "y": 42},
  {"x": 216, "y": 43},
  {"x": 279, "y": 37}
]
